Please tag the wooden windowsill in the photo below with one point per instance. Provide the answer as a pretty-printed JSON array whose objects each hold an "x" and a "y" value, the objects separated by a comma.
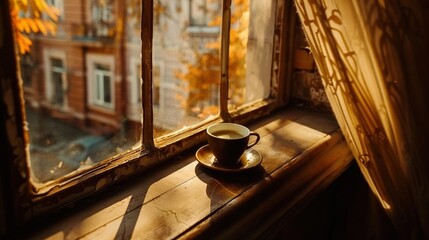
[{"x": 303, "y": 152}]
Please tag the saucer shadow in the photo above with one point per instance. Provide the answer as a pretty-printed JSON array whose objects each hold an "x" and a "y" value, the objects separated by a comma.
[{"x": 224, "y": 186}]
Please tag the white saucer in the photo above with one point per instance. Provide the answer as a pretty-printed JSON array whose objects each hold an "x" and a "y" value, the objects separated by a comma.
[{"x": 251, "y": 158}]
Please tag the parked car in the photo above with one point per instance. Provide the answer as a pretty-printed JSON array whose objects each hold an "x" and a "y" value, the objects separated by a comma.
[
  {"x": 46, "y": 143},
  {"x": 51, "y": 161},
  {"x": 81, "y": 150},
  {"x": 60, "y": 157}
]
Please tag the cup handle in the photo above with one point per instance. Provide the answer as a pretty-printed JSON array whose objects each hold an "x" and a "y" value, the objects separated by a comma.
[{"x": 256, "y": 140}]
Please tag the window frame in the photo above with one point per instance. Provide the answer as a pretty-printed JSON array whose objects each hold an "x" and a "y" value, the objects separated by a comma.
[{"x": 31, "y": 202}]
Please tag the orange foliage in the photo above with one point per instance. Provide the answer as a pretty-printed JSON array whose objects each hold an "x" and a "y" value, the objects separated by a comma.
[{"x": 27, "y": 17}]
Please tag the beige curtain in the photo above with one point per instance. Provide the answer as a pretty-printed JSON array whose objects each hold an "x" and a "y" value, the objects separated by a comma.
[{"x": 374, "y": 60}]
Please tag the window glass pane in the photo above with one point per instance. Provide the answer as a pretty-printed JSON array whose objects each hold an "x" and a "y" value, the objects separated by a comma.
[
  {"x": 76, "y": 86},
  {"x": 188, "y": 60},
  {"x": 58, "y": 88},
  {"x": 250, "y": 51},
  {"x": 106, "y": 88},
  {"x": 56, "y": 64}
]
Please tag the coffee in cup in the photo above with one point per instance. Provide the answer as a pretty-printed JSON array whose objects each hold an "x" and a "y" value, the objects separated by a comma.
[{"x": 228, "y": 141}]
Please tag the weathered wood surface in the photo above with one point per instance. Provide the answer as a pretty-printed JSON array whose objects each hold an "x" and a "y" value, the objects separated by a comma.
[{"x": 184, "y": 199}]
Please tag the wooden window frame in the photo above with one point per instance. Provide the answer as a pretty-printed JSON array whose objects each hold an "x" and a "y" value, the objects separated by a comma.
[{"x": 25, "y": 202}]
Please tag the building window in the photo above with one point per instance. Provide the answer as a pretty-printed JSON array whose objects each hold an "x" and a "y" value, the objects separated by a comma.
[
  {"x": 57, "y": 81},
  {"x": 102, "y": 85},
  {"x": 102, "y": 11},
  {"x": 55, "y": 77},
  {"x": 102, "y": 18},
  {"x": 58, "y": 4},
  {"x": 26, "y": 64},
  {"x": 100, "y": 79},
  {"x": 203, "y": 12}
]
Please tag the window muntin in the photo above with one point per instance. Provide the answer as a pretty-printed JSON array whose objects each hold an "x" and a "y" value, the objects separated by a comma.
[{"x": 171, "y": 142}]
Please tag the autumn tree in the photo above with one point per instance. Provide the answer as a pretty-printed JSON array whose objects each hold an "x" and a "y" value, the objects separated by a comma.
[
  {"x": 32, "y": 16},
  {"x": 202, "y": 73}
]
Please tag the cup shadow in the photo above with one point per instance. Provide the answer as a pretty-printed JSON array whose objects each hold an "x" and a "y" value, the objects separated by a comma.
[{"x": 222, "y": 187}]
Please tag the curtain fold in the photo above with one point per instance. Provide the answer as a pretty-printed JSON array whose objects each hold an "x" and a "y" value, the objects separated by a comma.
[{"x": 373, "y": 57}]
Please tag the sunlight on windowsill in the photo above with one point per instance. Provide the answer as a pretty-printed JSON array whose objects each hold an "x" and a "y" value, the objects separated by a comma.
[{"x": 303, "y": 152}]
